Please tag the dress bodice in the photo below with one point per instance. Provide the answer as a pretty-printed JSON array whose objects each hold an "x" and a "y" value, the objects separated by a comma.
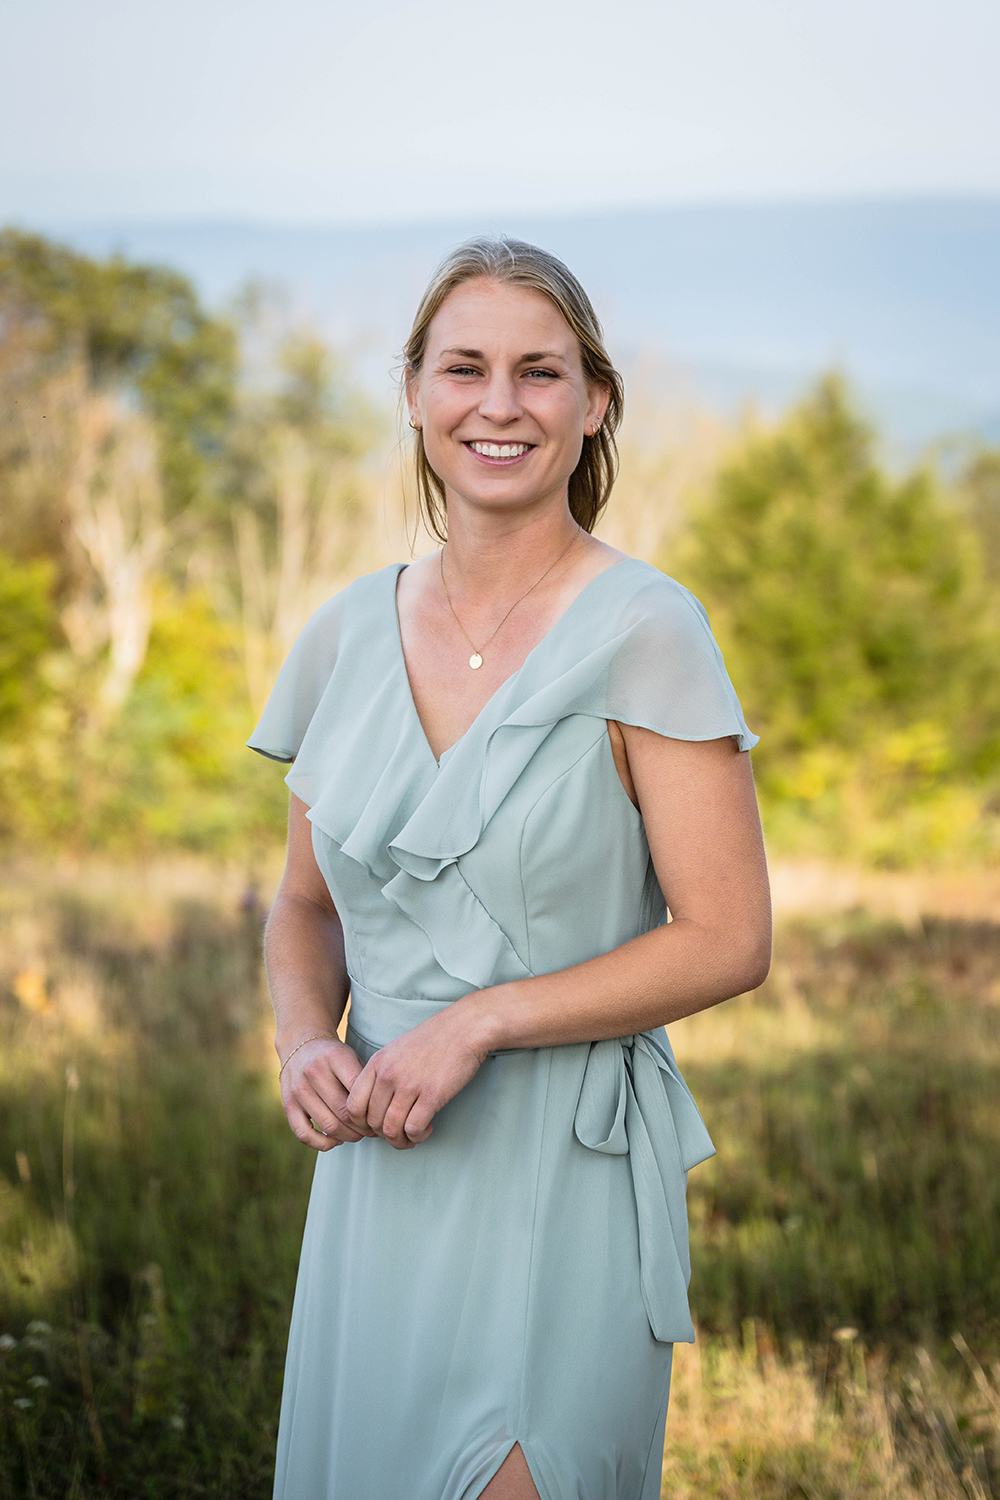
[{"x": 519, "y": 852}]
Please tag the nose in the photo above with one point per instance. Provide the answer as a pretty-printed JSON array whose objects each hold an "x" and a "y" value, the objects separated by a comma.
[{"x": 500, "y": 403}]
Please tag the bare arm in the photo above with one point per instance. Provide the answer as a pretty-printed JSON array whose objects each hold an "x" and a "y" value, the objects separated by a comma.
[
  {"x": 699, "y": 810},
  {"x": 700, "y": 813},
  {"x": 307, "y": 975}
]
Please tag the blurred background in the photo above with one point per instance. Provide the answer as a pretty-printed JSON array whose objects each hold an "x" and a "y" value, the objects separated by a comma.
[{"x": 215, "y": 223}]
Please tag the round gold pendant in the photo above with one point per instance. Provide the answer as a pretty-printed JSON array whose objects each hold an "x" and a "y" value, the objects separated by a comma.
[{"x": 475, "y": 661}]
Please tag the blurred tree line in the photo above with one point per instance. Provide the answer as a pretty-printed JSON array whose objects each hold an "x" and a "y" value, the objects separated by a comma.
[
  {"x": 860, "y": 617},
  {"x": 179, "y": 490}
]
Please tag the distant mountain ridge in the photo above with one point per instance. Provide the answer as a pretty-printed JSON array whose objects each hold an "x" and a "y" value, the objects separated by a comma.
[{"x": 732, "y": 302}]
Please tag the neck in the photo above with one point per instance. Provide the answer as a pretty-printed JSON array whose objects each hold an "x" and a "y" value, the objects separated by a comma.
[{"x": 504, "y": 554}]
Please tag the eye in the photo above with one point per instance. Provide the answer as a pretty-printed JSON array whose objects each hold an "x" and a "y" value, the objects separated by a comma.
[
  {"x": 462, "y": 370},
  {"x": 542, "y": 373}
]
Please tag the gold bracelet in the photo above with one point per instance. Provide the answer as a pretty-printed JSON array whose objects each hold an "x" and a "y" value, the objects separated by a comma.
[{"x": 320, "y": 1036}]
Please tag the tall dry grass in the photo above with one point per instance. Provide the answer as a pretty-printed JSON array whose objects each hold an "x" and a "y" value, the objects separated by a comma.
[
  {"x": 828, "y": 1424},
  {"x": 846, "y": 1239},
  {"x": 151, "y": 1203}
]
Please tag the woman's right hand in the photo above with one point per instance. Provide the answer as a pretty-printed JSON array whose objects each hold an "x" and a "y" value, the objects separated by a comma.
[{"x": 314, "y": 1090}]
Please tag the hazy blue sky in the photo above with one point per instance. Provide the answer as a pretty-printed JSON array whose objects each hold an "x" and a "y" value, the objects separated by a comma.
[{"x": 316, "y": 110}]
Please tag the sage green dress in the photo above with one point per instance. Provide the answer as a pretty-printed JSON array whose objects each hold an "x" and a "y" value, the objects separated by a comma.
[{"x": 521, "y": 1276}]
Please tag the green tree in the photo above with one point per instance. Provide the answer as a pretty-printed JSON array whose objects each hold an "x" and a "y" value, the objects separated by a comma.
[
  {"x": 852, "y": 610},
  {"x": 139, "y": 331},
  {"x": 28, "y": 629},
  {"x": 979, "y": 492},
  {"x": 180, "y": 775},
  {"x": 29, "y": 643},
  {"x": 167, "y": 521},
  {"x": 117, "y": 391}
]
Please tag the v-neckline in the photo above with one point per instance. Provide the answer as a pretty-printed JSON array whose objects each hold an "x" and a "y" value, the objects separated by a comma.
[{"x": 401, "y": 657}]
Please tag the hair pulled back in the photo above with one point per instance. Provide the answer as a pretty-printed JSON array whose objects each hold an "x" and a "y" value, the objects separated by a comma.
[{"x": 517, "y": 263}]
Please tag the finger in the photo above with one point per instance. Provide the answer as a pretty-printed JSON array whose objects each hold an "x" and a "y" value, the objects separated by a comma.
[
  {"x": 336, "y": 1068},
  {"x": 329, "y": 1076},
  {"x": 379, "y": 1099},
  {"x": 364, "y": 1132},
  {"x": 386, "y": 1094},
  {"x": 418, "y": 1122},
  {"x": 335, "y": 1122},
  {"x": 345, "y": 1066},
  {"x": 330, "y": 1123},
  {"x": 324, "y": 1112},
  {"x": 356, "y": 1104},
  {"x": 393, "y": 1127},
  {"x": 305, "y": 1131}
]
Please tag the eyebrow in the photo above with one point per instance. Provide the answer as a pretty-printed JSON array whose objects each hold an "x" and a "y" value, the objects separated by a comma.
[{"x": 524, "y": 360}]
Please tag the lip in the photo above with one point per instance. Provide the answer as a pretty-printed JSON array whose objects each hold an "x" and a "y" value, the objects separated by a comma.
[{"x": 498, "y": 461}]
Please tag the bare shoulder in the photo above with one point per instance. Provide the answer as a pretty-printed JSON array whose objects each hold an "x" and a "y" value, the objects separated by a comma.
[
  {"x": 596, "y": 556},
  {"x": 417, "y": 578},
  {"x": 605, "y": 551}
]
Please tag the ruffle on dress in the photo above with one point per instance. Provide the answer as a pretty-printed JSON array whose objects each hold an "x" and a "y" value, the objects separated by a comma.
[{"x": 633, "y": 646}]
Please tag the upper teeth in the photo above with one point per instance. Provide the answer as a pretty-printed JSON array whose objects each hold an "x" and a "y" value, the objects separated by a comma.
[{"x": 496, "y": 450}]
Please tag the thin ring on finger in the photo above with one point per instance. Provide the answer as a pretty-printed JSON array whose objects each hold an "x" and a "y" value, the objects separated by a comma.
[
  {"x": 328, "y": 1134},
  {"x": 324, "y": 1108}
]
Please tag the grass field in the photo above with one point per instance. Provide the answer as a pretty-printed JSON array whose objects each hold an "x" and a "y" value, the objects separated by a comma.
[{"x": 846, "y": 1238}]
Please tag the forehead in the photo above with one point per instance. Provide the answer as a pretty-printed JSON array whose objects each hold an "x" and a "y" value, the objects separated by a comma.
[{"x": 487, "y": 315}]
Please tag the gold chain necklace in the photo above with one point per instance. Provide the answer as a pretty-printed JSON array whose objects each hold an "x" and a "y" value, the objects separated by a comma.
[{"x": 476, "y": 659}]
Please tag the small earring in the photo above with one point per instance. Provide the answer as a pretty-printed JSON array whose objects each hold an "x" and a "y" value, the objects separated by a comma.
[{"x": 414, "y": 425}]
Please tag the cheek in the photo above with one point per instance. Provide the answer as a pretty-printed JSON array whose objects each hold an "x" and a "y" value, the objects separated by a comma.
[
  {"x": 441, "y": 409},
  {"x": 439, "y": 451},
  {"x": 571, "y": 417},
  {"x": 439, "y": 419}
]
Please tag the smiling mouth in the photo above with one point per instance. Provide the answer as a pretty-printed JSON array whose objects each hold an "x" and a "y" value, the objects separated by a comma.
[{"x": 500, "y": 450}]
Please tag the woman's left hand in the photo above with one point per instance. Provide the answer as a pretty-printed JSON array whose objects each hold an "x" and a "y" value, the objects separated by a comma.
[{"x": 401, "y": 1088}]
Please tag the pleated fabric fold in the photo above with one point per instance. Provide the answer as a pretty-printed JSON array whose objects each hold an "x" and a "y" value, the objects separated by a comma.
[{"x": 409, "y": 819}]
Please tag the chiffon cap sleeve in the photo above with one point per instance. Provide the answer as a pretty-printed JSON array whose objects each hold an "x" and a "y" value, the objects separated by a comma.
[
  {"x": 666, "y": 672},
  {"x": 300, "y": 686}
]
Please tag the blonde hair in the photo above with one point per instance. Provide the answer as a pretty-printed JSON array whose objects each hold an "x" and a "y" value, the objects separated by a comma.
[{"x": 519, "y": 264}]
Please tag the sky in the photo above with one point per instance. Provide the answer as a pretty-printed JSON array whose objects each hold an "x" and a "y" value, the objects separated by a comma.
[{"x": 319, "y": 111}]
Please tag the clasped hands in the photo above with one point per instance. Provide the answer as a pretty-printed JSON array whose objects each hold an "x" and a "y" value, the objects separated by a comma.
[{"x": 330, "y": 1097}]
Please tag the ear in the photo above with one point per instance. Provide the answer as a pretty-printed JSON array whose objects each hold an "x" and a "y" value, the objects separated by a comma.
[
  {"x": 598, "y": 397},
  {"x": 410, "y": 390}
]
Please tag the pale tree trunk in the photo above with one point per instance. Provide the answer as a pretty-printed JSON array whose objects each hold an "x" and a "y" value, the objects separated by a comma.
[
  {"x": 324, "y": 530},
  {"x": 116, "y": 510}
]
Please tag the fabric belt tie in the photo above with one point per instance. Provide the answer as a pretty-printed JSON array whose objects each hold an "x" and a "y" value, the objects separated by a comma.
[{"x": 633, "y": 1102}]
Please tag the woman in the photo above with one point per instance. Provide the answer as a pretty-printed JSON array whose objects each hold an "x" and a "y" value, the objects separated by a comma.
[{"x": 509, "y": 759}]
